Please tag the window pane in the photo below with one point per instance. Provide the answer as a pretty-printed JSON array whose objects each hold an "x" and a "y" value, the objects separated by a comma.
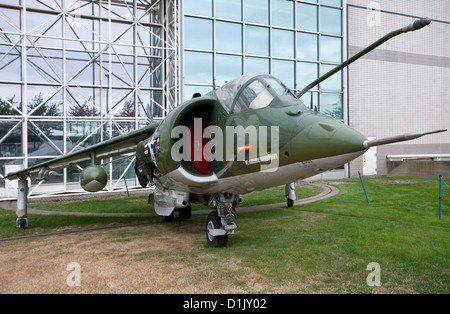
[
  {"x": 257, "y": 11},
  {"x": 43, "y": 101},
  {"x": 283, "y": 44},
  {"x": 198, "y": 33},
  {"x": 257, "y": 40},
  {"x": 253, "y": 65},
  {"x": 334, "y": 82},
  {"x": 284, "y": 71},
  {"x": 227, "y": 68},
  {"x": 229, "y": 9},
  {"x": 83, "y": 133},
  {"x": 228, "y": 37},
  {"x": 189, "y": 91},
  {"x": 50, "y": 144},
  {"x": 307, "y": 46},
  {"x": 50, "y": 69},
  {"x": 336, "y": 3},
  {"x": 10, "y": 65},
  {"x": 11, "y": 145},
  {"x": 331, "y": 104},
  {"x": 330, "y": 49},
  {"x": 283, "y": 13},
  {"x": 330, "y": 21},
  {"x": 198, "y": 67},
  {"x": 307, "y": 17},
  {"x": 199, "y": 7},
  {"x": 306, "y": 74},
  {"x": 11, "y": 97},
  {"x": 306, "y": 99}
]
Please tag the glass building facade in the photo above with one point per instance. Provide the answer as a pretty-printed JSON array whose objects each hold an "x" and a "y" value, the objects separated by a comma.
[
  {"x": 77, "y": 72},
  {"x": 296, "y": 41},
  {"x": 74, "y": 73}
]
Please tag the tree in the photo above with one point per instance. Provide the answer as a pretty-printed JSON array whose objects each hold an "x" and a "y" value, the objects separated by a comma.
[
  {"x": 335, "y": 112},
  {"x": 83, "y": 110},
  {"x": 6, "y": 126},
  {"x": 5, "y": 108},
  {"x": 79, "y": 130},
  {"x": 46, "y": 109},
  {"x": 128, "y": 110}
]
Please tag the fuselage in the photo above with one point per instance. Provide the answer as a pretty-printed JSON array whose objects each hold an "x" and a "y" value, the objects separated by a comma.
[{"x": 250, "y": 134}]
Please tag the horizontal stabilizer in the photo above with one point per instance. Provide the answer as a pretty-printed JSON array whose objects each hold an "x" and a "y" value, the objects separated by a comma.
[{"x": 398, "y": 138}]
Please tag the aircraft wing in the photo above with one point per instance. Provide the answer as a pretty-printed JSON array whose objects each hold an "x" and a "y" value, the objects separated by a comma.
[{"x": 114, "y": 147}]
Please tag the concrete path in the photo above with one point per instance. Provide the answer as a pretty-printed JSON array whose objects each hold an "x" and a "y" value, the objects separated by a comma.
[{"x": 327, "y": 192}]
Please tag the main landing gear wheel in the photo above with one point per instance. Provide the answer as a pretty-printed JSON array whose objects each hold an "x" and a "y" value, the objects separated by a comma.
[
  {"x": 214, "y": 222},
  {"x": 185, "y": 213},
  {"x": 169, "y": 218}
]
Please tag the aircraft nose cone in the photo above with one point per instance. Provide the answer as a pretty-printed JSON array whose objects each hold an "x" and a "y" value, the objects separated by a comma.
[
  {"x": 326, "y": 138},
  {"x": 349, "y": 139}
]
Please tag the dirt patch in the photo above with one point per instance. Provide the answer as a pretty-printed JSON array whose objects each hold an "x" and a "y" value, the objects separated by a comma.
[
  {"x": 397, "y": 290},
  {"x": 143, "y": 259},
  {"x": 165, "y": 258},
  {"x": 109, "y": 262}
]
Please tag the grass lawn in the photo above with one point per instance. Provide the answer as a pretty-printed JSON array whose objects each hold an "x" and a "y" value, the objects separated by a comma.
[
  {"x": 44, "y": 224},
  {"x": 139, "y": 204},
  {"x": 331, "y": 242},
  {"x": 315, "y": 248}
]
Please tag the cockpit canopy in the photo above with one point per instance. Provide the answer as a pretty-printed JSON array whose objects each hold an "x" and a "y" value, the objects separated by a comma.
[{"x": 251, "y": 92}]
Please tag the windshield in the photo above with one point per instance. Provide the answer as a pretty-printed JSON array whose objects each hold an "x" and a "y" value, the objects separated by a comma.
[
  {"x": 254, "y": 96},
  {"x": 279, "y": 87},
  {"x": 227, "y": 93}
]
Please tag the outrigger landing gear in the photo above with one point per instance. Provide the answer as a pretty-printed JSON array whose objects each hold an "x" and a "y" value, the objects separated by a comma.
[
  {"x": 290, "y": 194},
  {"x": 22, "y": 210},
  {"x": 220, "y": 223}
]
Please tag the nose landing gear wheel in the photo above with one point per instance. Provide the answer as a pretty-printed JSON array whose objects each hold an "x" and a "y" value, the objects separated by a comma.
[{"x": 214, "y": 222}]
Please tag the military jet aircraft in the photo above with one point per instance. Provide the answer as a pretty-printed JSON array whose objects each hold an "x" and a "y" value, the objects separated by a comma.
[{"x": 250, "y": 134}]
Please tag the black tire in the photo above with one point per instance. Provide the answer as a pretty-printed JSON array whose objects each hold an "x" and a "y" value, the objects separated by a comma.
[
  {"x": 185, "y": 213},
  {"x": 214, "y": 222},
  {"x": 169, "y": 218},
  {"x": 289, "y": 202},
  {"x": 23, "y": 224}
]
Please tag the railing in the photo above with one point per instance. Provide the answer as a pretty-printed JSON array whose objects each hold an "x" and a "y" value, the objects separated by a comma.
[{"x": 434, "y": 157}]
